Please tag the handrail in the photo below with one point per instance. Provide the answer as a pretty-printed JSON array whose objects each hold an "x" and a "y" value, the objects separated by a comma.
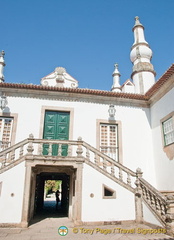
[
  {"x": 13, "y": 147},
  {"x": 109, "y": 159},
  {"x": 54, "y": 141}
]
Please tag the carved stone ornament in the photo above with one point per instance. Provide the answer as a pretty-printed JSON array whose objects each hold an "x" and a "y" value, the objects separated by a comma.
[
  {"x": 45, "y": 83},
  {"x": 143, "y": 66},
  {"x": 59, "y": 71}
]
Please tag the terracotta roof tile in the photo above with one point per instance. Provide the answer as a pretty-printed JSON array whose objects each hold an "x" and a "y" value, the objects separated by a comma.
[{"x": 74, "y": 90}]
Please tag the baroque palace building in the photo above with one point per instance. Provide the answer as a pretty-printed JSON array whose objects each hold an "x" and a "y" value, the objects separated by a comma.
[{"x": 112, "y": 150}]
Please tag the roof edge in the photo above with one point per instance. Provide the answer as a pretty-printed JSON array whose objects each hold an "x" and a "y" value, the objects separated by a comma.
[
  {"x": 74, "y": 90},
  {"x": 161, "y": 81}
]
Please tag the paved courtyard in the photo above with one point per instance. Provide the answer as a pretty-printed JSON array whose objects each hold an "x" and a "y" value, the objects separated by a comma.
[{"x": 47, "y": 229}]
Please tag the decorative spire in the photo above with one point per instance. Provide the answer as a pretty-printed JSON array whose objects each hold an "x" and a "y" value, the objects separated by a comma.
[
  {"x": 143, "y": 73},
  {"x": 116, "y": 79},
  {"x": 137, "y": 22},
  {"x": 138, "y": 30},
  {"x": 2, "y": 65}
]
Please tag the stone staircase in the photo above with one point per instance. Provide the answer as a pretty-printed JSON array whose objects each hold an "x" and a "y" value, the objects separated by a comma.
[{"x": 162, "y": 206}]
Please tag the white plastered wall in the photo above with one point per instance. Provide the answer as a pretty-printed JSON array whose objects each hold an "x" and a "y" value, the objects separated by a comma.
[
  {"x": 98, "y": 209},
  {"x": 163, "y": 165},
  {"x": 11, "y": 199}
]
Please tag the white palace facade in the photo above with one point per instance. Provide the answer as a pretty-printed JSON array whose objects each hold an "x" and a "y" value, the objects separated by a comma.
[{"x": 113, "y": 150}]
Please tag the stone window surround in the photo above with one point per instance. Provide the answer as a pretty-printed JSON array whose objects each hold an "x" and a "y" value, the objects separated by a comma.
[
  {"x": 170, "y": 115},
  {"x": 168, "y": 149},
  {"x": 14, "y": 127},
  {"x": 111, "y": 190},
  {"x": 57, "y": 109},
  {"x": 104, "y": 121}
]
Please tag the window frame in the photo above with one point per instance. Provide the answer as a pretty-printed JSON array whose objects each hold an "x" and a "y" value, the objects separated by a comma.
[
  {"x": 113, "y": 196},
  {"x": 6, "y": 126},
  {"x": 119, "y": 135},
  {"x": 14, "y": 116},
  {"x": 162, "y": 121},
  {"x": 109, "y": 140}
]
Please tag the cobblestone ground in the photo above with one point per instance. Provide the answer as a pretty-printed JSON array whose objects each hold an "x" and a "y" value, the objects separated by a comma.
[
  {"x": 47, "y": 229},
  {"x": 57, "y": 226}
]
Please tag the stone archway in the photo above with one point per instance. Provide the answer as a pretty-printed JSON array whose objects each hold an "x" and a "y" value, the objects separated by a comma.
[{"x": 72, "y": 179}]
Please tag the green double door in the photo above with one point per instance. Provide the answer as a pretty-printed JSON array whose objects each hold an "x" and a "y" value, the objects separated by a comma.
[{"x": 56, "y": 126}]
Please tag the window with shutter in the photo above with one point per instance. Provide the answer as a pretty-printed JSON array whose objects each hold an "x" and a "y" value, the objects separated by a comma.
[{"x": 109, "y": 140}]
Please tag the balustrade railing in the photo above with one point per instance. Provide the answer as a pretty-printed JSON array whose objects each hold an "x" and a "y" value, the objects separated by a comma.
[
  {"x": 109, "y": 167},
  {"x": 154, "y": 199}
]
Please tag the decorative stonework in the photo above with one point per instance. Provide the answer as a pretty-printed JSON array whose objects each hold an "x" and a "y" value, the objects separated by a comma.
[
  {"x": 59, "y": 78},
  {"x": 140, "y": 56},
  {"x": 60, "y": 70},
  {"x": 137, "y": 23},
  {"x": 59, "y": 75},
  {"x": 143, "y": 66}
]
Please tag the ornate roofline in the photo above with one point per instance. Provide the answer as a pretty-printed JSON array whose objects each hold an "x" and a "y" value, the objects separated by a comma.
[
  {"x": 92, "y": 92},
  {"x": 73, "y": 90}
]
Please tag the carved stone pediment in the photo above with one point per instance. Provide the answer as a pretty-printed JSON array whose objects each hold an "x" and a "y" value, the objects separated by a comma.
[{"x": 59, "y": 78}]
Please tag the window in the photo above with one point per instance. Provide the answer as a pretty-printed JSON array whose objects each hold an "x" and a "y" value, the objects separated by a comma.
[
  {"x": 5, "y": 132},
  {"x": 108, "y": 193},
  {"x": 168, "y": 130},
  {"x": 109, "y": 140}
]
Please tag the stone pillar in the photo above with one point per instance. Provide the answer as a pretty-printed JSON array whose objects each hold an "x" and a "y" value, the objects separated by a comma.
[
  {"x": 78, "y": 194},
  {"x": 170, "y": 215},
  {"x": 26, "y": 197},
  {"x": 138, "y": 198}
]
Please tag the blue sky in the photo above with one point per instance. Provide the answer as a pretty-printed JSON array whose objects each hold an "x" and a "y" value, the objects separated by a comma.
[{"x": 85, "y": 36}]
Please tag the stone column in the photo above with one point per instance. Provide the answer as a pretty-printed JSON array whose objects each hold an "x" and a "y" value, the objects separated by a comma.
[
  {"x": 26, "y": 197},
  {"x": 78, "y": 193},
  {"x": 138, "y": 198}
]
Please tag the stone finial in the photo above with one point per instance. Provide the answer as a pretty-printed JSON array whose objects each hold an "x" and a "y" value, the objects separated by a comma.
[
  {"x": 116, "y": 79},
  {"x": 139, "y": 172},
  {"x": 116, "y": 66},
  {"x": 137, "y": 22},
  {"x": 31, "y": 136},
  {"x": 2, "y": 53},
  {"x": 116, "y": 72},
  {"x": 79, "y": 139}
]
